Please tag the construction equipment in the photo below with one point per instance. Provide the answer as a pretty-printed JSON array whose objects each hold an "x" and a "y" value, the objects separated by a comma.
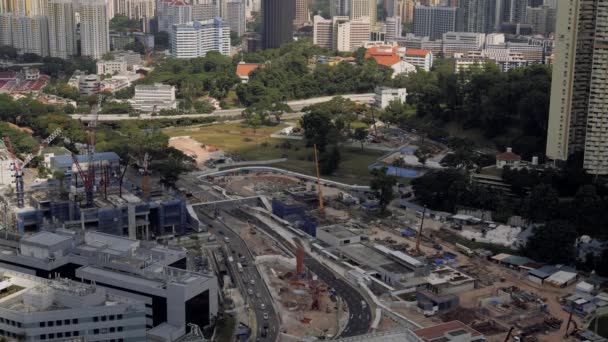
[
  {"x": 321, "y": 207},
  {"x": 87, "y": 181},
  {"x": 19, "y": 166}
]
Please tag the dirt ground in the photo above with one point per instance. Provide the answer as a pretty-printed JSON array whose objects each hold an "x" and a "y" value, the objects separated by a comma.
[
  {"x": 259, "y": 243},
  {"x": 298, "y": 319},
  {"x": 253, "y": 185},
  {"x": 191, "y": 147}
]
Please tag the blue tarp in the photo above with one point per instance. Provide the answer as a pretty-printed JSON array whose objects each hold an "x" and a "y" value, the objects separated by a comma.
[
  {"x": 407, "y": 233},
  {"x": 396, "y": 171}
]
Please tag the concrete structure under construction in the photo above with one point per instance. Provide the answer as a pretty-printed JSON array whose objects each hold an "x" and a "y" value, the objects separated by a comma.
[{"x": 140, "y": 271}]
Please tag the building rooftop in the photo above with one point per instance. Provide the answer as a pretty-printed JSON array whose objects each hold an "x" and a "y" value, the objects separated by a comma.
[
  {"x": 453, "y": 328},
  {"x": 66, "y": 161},
  {"x": 447, "y": 275},
  {"x": 46, "y": 239},
  {"x": 416, "y": 53},
  {"x": 245, "y": 69},
  {"x": 338, "y": 231}
]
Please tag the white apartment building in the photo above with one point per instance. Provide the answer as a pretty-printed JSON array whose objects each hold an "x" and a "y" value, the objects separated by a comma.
[
  {"x": 135, "y": 9},
  {"x": 149, "y": 98},
  {"x": 61, "y": 309},
  {"x": 363, "y": 9},
  {"x": 579, "y": 91},
  {"x": 6, "y": 29},
  {"x": 234, "y": 15},
  {"x": 111, "y": 67},
  {"x": 172, "y": 12},
  {"x": 422, "y": 59},
  {"x": 94, "y": 28},
  {"x": 462, "y": 42},
  {"x": 385, "y": 95},
  {"x": 340, "y": 33},
  {"x": 205, "y": 9},
  {"x": 323, "y": 31},
  {"x": 30, "y": 34},
  {"x": 62, "y": 29},
  {"x": 195, "y": 39},
  {"x": 140, "y": 271},
  {"x": 393, "y": 28}
]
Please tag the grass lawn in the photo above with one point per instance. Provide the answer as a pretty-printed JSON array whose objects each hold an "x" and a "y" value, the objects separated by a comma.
[{"x": 236, "y": 138}]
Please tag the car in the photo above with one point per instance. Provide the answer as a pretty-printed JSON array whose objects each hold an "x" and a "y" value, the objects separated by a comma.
[
  {"x": 252, "y": 282},
  {"x": 265, "y": 315},
  {"x": 437, "y": 247},
  {"x": 262, "y": 306},
  {"x": 250, "y": 291},
  {"x": 258, "y": 295},
  {"x": 221, "y": 232},
  {"x": 227, "y": 239},
  {"x": 266, "y": 325},
  {"x": 233, "y": 251}
]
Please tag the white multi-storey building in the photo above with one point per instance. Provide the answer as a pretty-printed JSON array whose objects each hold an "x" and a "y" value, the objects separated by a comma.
[
  {"x": 195, "y": 39},
  {"x": 341, "y": 33},
  {"x": 172, "y": 12},
  {"x": 422, "y": 59},
  {"x": 579, "y": 90},
  {"x": 363, "y": 9},
  {"x": 206, "y": 9},
  {"x": 234, "y": 15},
  {"x": 393, "y": 28},
  {"x": 30, "y": 34},
  {"x": 62, "y": 29},
  {"x": 42, "y": 309},
  {"x": 385, "y": 95},
  {"x": 94, "y": 28},
  {"x": 111, "y": 67},
  {"x": 155, "y": 97},
  {"x": 143, "y": 272},
  {"x": 462, "y": 42},
  {"x": 135, "y": 9}
]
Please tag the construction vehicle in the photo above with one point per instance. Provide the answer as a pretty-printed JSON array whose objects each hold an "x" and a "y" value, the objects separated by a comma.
[{"x": 19, "y": 166}]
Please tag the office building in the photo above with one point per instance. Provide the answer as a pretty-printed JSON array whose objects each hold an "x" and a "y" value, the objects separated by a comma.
[
  {"x": 302, "y": 15},
  {"x": 30, "y": 34},
  {"x": 39, "y": 309},
  {"x": 172, "y": 12},
  {"x": 94, "y": 28},
  {"x": 393, "y": 28},
  {"x": 340, "y": 33},
  {"x": 149, "y": 98},
  {"x": 205, "y": 9},
  {"x": 462, "y": 42},
  {"x": 62, "y": 29},
  {"x": 514, "y": 11},
  {"x": 433, "y": 22},
  {"x": 579, "y": 90},
  {"x": 364, "y": 8},
  {"x": 277, "y": 22},
  {"x": 195, "y": 39},
  {"x": 542, "y": 19},
  {"x": 339, "y": 8},
  {"x": 120, "y": 267},
  {"x": 405, "y": 10},
  {"x": 391, "y": 7},
  {"x": 135, "y": 9},
  {"x": 234, "y": 16},
  {"x": 481, "y": 16}
]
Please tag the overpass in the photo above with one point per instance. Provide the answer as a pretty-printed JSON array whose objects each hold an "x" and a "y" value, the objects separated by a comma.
[{"x": 296, "y": 106}]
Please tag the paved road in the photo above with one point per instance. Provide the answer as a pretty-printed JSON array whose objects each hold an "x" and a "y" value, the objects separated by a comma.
[
  {"x": 296, "y": 106},
  {"x": 255, "y": 294}
]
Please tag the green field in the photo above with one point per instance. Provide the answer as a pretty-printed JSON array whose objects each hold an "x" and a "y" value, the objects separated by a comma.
[{"x": 236, "y": 138}]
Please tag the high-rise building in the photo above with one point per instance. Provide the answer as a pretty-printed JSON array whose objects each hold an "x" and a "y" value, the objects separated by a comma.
[
  {"x": 542, "y": 19},
  {"x": 339, "y": 8},
  {"x": 195, "y": 39},
  {"x": 481, "y": 16},
  {"x": 172, "y": 12},
  {"x": 514, "y": 11},
  {"x": 364, "y": 8},
  {"x": 405, "y": 10},
  {"x": 340, "y": 33},
  {"x": 6, "y": 29},
  {"x": 135, "y": 9},
  {"x": 302, "y": 16},
  {"x": 62, "y": 29},
  {"x": 277, "y": 22},
  {"x": 434, "y": 21},
  {"x": 579, "y": 90},
  {"x": 206, "y": 9},
  {"x": 30, "y": 34},
  {"x": 234, "y": 15},
  {"x": 390, "y": 6},
  {"x": 393, "y": 28},
  {"x": 94, "y": 28},
  {"x": 28, "y": 8}
]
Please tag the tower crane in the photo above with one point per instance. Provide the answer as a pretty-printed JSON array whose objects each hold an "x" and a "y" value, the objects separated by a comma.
[
  {"x": 87, "y": 180},
  {"x": 18, "y": 166}
]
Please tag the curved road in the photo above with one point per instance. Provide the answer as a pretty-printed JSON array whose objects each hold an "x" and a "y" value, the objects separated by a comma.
[{"x": 296, "y": 106}]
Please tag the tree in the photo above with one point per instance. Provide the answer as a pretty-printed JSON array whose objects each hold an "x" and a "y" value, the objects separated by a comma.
[
  {"x": 360, "y": 135},
  {"x": 329, "y": 161},
  {"x": 318, "y": 129},
  {"x": 422, "y": 153},
  {"x": 552, "y": 243},
  {"x": 382, "y": 184},
  {"x": 542, "y": 203}
]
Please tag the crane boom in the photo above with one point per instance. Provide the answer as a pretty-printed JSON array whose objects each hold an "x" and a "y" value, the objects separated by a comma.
[
  {"x": 87, "y": 181},
  {"x": 19, "y": 186}
]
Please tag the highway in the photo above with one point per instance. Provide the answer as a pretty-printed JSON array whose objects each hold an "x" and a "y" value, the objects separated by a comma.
[
  {"x": 255, "y": 294},
  {"x": 296, "y": 106}
]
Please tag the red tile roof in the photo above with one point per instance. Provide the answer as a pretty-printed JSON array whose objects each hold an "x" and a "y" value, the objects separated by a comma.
[
  {"x": 386, "y": 56},
  {"x": 508, "y": 156},
  {"x": 416, "y": 53},
  {"x": 245, "y": 69},
  {"x": 440, "y": 330}
]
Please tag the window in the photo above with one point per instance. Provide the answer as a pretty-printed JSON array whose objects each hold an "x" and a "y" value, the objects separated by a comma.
[
  {"x": 119, "y": 329},
  {"x": 95, "y": 319},
  {"x": 43, "y": 337},
  {"x": 112, "y": 329},
  {"x": 51, "y": 336},
  {"x": 59, "y": 322},
  {"x": 68, "y": 334},
  {"x": 111, "y": 317},
  {"x": 66, "y": 321},
  {"x": 75, "y": 321},
  {"x": 95, "y": 331},
  {"x": 76, "y": 333},
  {"x": 42, "y": 325},
  {"x": 118, "y": 316},
  {"x": 51, "y": 323},
  {"x": 59, "y": 335},
  {"x": 103, "y": 318}
]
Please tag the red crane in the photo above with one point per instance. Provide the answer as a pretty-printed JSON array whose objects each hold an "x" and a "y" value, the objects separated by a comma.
[{"x": 87, "y": 180}]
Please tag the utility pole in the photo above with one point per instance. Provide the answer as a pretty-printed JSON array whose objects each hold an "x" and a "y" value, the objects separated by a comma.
[
  {"x": 321, "y": 206},
  {"x": 420, "y": 231}
]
